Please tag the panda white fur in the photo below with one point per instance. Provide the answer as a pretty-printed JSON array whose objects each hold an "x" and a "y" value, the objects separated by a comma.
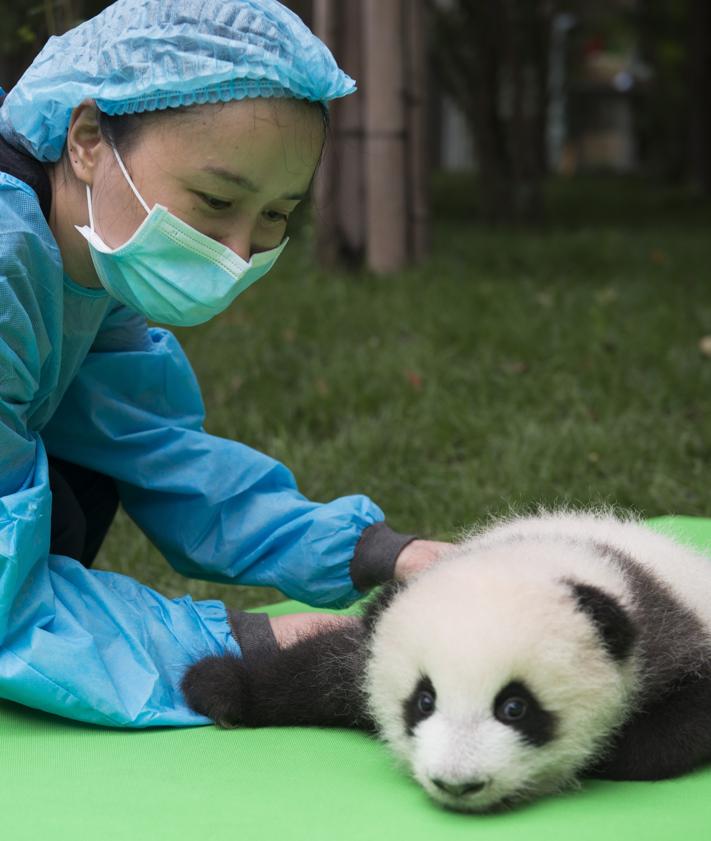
[{"x": 540, "y": 650}]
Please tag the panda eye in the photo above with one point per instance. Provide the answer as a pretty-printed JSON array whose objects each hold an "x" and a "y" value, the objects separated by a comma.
[
  {"x": 511, "y": 709},
  {"x": 419, "y": 705},
  {"x": 425, "y": 703}
]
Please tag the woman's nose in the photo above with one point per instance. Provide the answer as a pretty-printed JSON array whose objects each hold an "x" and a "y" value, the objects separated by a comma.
[{"x": 240, "y": 243}]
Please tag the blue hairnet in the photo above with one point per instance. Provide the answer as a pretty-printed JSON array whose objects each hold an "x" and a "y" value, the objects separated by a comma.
[{"x": 143, "y": 55}]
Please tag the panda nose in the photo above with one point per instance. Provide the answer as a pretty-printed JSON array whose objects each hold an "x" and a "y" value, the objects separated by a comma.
[{"x": 460, "y": 789}]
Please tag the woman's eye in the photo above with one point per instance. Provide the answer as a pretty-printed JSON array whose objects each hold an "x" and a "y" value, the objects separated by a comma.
[
  {"x": 274, "y": 216},
  {"x": 214, "y": 203}
]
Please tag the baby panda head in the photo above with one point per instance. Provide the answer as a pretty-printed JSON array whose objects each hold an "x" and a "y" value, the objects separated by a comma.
[{"x": 497, "y": 675}]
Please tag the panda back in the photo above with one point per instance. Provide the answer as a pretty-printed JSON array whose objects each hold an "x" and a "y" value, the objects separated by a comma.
[{"x": 684, "y": 572}]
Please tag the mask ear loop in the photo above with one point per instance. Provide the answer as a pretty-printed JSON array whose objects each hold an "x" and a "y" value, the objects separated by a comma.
[
  {"x": 91, "y": 209},
  {"x": 130, "y": 184}
]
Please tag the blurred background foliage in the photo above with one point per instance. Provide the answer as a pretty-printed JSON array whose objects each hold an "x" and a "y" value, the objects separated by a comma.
[
  {"x": 26, "y": 27},
  {"x": 545, "y": 85}
]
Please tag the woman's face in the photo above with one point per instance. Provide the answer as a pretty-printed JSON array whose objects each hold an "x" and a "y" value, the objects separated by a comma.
[{"x": 234, "y": 171}]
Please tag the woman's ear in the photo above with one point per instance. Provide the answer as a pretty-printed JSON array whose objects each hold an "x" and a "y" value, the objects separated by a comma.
[{"x": 84, "y": 141}]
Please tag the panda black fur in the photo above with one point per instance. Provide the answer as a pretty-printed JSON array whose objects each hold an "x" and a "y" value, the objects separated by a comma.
[{"x": 541, "y": 650}]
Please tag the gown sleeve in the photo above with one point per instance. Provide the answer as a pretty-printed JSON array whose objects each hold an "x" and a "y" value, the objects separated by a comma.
[
  {"x": 215, "y": 508},
  {"x": 94, "y": 646}
]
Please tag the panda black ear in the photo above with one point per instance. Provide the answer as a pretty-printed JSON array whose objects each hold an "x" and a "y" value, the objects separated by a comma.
[{"x": 610, "y": 619}]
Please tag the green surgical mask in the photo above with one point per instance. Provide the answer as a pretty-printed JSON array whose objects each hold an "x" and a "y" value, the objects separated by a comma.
[{"x": 168, "y": 270}]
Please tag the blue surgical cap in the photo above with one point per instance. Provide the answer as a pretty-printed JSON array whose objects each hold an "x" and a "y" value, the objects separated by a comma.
[{"x": 144, "y": 55}]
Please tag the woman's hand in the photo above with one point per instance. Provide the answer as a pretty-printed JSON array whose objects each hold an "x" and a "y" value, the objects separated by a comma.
[
  {"x": 292, "y": 627},
  {"x": 417, "y": 556}
]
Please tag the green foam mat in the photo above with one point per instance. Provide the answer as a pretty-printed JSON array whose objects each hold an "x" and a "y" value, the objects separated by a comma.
[{"x": 66, "y": 781}]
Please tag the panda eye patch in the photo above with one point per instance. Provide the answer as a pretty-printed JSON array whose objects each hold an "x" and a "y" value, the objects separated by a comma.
[
  {"x": 419, "y": 705},
  {"x": 517, "y": 707}
]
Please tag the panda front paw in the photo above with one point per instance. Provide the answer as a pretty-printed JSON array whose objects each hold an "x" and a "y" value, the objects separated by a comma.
[{"x": 218, "y": 687}]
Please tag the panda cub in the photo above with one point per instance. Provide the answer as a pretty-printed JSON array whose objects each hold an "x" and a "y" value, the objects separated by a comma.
[{"x": 540, "y": 650}]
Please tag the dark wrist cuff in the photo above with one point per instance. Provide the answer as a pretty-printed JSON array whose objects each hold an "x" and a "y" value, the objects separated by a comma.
[
  {"x": 375, "y": 555},
  {"x": 253, "y": 632}
]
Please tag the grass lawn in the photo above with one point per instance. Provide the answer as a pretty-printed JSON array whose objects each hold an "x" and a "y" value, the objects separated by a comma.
[{"x": 514, "y": 368}]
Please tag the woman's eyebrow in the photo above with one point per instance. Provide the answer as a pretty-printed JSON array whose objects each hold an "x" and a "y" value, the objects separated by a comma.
[{"x": 244, "y": 182}]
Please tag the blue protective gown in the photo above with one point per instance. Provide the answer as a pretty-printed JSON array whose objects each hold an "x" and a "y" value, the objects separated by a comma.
[{"x": 84, "y": 379}]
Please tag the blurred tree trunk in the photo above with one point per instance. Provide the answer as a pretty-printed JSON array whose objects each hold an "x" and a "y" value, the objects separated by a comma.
[
  {"x": 699, "y": 84},
  {"x": 385, "y": 137},
  {"x": 340, "y": 188},
  {"x": 664, "y": 115},
  {"x": 372, "y": 197},
  {"x": 61, "y": 15},
  {"x": 493, "y": 60},
  {"x": 417, "y": 63}
]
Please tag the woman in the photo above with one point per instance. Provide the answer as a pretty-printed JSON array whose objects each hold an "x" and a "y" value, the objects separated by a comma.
[{"x": 149, "y": 162}]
